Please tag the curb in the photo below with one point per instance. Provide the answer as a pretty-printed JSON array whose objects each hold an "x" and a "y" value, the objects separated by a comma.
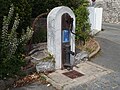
[{"x": 96, "y": 51}]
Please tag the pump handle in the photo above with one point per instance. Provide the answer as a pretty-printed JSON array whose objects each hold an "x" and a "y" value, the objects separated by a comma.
[{"x": 71, "y": 28}]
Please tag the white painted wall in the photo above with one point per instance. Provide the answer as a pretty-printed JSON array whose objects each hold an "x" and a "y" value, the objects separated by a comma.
[
  {"x": 92, "y": 17},
  {"x": 98, "y": 18},
  {"x": 95, "y": 18}
]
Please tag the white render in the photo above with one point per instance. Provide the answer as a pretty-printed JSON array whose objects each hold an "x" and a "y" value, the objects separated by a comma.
[
  {"x": 54, "y": 33},
  {"x": 95, "y": 17}
]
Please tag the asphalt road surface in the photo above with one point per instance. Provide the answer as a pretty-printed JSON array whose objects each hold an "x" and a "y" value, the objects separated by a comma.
[{"x": 109, "y": 40}]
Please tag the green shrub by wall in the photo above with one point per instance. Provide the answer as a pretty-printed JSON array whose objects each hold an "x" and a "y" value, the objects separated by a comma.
[{"x": 82, "y": 22}]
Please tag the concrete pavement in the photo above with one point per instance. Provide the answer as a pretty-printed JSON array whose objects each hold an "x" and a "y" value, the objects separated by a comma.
[
  {"x": 109, "y": 40},
  {"x": 109, "y": 56},
  {"x": 92, "y": 76}
]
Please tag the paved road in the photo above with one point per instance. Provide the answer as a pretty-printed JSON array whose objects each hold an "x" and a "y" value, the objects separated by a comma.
[
  {"x": 109, "y": 40},
  {"x": 111, "y": 32}
]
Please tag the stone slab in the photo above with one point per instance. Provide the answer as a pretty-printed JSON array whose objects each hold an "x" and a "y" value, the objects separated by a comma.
[{"x": 90, "y": 70}]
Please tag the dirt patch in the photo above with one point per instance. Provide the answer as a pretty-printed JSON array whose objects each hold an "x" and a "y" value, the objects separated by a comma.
[
  {"x": 35, "y": 77},
  {"x": 90, "y": 46}
]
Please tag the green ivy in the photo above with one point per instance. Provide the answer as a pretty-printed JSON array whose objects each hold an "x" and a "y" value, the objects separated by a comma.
[{"x": 22, "y": 7}]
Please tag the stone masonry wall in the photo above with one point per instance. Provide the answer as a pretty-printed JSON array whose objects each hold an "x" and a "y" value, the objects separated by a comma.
[{"x": 111, "y": 10}]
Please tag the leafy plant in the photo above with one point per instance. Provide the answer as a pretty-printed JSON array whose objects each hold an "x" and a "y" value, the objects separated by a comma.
[
  {"x": 22, "y": 7},
  {"x": 82, "y": 24},
  {"x": 43, "y": 6},
  {"x": 11, "y": 58},
  {"x": 4, "y": 8}
]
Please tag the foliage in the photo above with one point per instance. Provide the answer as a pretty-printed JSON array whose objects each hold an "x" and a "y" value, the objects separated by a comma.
[
  {"x": 40, "y": 35},
  {"x": 22, "y": 7},
  {"x": 4, "y": 8},
  {"x": 42, "y": 6},
  {"x": 82, "y": 24},
  {"x": 73, "y": 4},
  {"x": 11, "y": 59}
]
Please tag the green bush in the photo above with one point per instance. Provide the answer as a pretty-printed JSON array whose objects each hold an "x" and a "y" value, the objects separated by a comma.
[
  {"x": 11, "y": 55},
  {"x": 43, "y": 6},
  {"x": 4, "y": 8},
  {"x": 82, "y": 22},
  {"x": 22, "y": 7}
]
